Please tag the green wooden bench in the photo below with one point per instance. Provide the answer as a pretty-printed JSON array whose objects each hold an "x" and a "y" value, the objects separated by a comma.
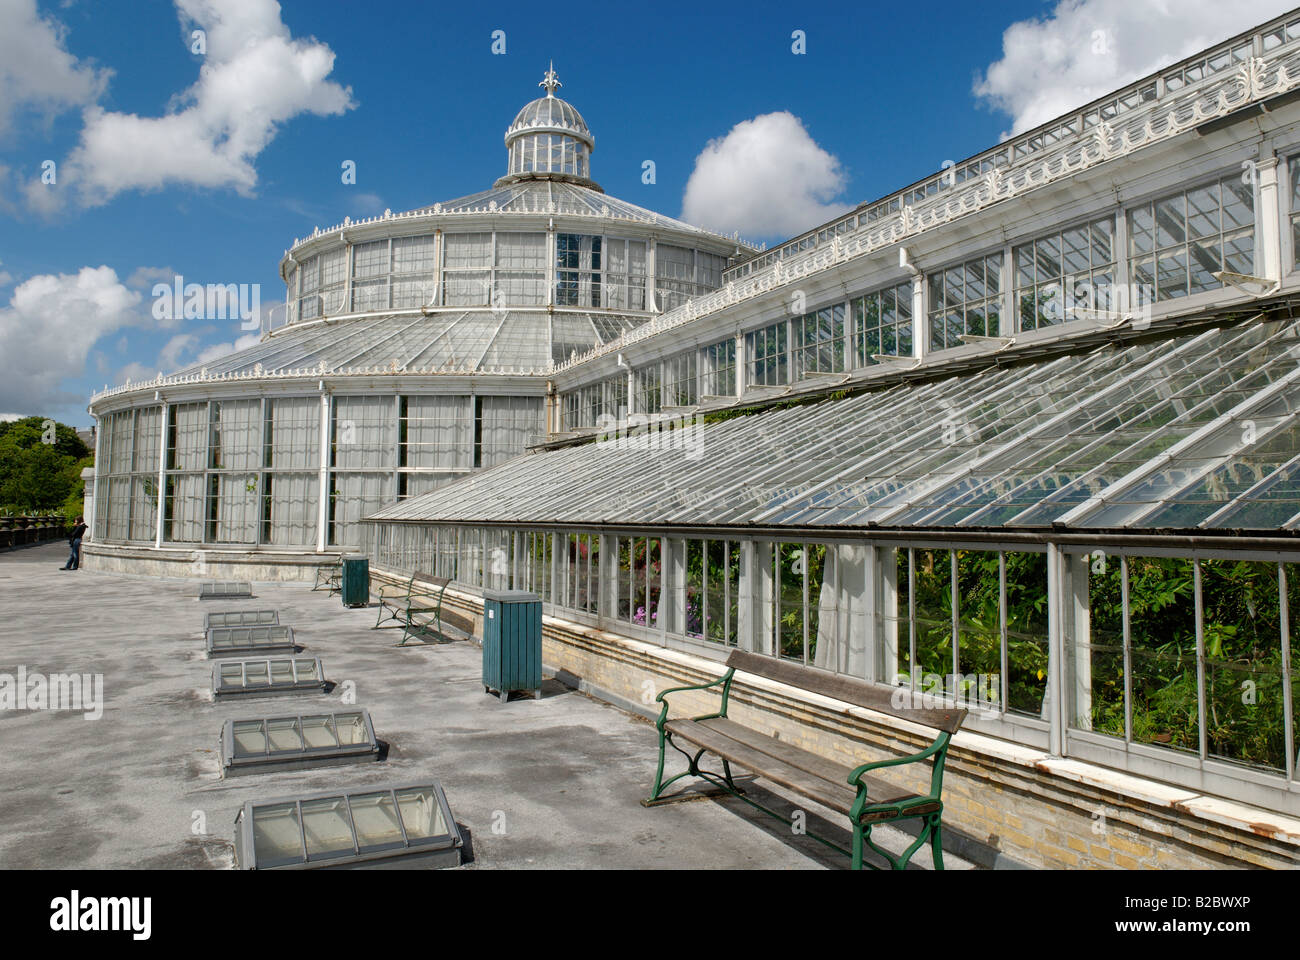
[
  {"x": 330, "y": 576},
  {"x": 414, "y": 605},
  {"x": 866, "y": 800}
]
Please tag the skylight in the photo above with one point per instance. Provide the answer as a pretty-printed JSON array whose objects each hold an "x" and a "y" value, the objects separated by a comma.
[
  {"x": 224, "y": 589},
  {"x": 232, "y": 678},
  {"x": 276, "y": 638},
  {"x": 363, "y": 828},
  {"x": 295, "y": 741},
  {"x": 240, "y": 618}
]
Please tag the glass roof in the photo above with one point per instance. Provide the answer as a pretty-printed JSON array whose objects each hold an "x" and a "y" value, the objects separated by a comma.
[
  {"x": 227, "y": 640},
  {"x": 240, "y": 618},
  {"x": 550, "y": 112},
  {"x": 297, "y": 739},
  {"x": 1198, "y": 430},
  {"x": 268, "y": 676},
  {"x": 450, "y": 341},
  {"x": 559, "y": 197}
]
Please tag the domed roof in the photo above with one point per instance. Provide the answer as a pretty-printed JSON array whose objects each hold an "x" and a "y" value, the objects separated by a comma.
[{"x": 550, "y": 113}]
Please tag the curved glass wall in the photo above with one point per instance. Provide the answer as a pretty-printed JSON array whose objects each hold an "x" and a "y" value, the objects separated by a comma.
[{"x": 247, "y": 470}]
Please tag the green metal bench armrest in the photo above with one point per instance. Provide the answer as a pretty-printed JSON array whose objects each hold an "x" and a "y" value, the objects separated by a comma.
[
  {"x": 939, "y": 744},
  {"x": 725, "y": 680}
]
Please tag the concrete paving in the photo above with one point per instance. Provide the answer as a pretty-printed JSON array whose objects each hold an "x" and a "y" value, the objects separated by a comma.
[{"x": 550, "y": 783}]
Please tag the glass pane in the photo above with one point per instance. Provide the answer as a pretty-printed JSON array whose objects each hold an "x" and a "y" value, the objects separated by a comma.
[
  {"x": 979, "y": 629},
  {"x": 1162, "y": 630},
  {"x": 1096, "y": 653},
  {"x": 351, "y": 729},
  {"x": 250, "y": 740},
  {"x": 276, "y": 837},
  {"x": 1241, "y": 624},
  {"x": 282, "y": 671},
  {"x": 283, "y": 735},
  {"x": 375, "y": 819},
  {"x": 1026, "y": 632},
  {"x": 421, "y": 814},
  {"x": 306, "y": 670},
  {"x": 326, "y": 828},
  {"x": 318, "y": 732},
  {"x": 790, "y": 568},
  {"x": 232, "y": 675},
  {"x": 933, "y": 586}
]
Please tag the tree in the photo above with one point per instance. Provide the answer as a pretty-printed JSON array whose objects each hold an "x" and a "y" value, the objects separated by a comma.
[{"x": 36, "y": 475}]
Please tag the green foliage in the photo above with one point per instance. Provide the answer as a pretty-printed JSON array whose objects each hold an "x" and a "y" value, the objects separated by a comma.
[{"x": 36, "y": 476}]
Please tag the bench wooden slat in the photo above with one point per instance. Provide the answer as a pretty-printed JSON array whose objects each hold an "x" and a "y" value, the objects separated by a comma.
[
  {"x": 878, "y": 791},
  {"x": 849, "y": 689},
  {"x": 828, "y": 794}
]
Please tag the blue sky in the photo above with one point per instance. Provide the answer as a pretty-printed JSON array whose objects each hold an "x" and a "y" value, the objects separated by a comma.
[{"x": 885, "y": 93}]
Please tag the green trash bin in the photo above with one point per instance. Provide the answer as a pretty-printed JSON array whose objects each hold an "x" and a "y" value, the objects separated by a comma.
[
  {"x": 512, "y": 642},
  {"x": 356, "y": 582}
]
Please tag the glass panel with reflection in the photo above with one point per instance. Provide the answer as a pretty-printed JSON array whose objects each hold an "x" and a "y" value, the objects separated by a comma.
[
  {"x": 283, "y": 735},
  {"x": 282, "y": 671},
  {"x": 326, "y": 827},
  {"x": 351, "y": 729},
  {"x": 276, "y": 837},
  {"x": 318, "y": 732},
  {"x": 232, "y": 675},
  {"x": 256, "y": 675},
  {"x": 250, "y": 738},
  {"x": 306, "y": 670},
  {"x": 421, "y": 814},
  {"x": 376, "y": 820}
]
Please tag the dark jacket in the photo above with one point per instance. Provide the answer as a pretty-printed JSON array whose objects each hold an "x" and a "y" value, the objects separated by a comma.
[{"x": 78, "y": 532}]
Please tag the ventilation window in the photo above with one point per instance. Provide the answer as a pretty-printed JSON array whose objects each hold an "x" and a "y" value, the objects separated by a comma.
[
  {"x": 293, "y": 742},
  {"x": 224, "y": 589},
  {"x": 412, "y": 825},
  {"x": 225, "y": 641},
  {"x": 240, "y": 618},
  {"x": 233, "y": 678}
]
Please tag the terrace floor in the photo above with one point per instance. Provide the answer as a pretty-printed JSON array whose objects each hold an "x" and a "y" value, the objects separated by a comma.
[{"x": 550, "y": 783}]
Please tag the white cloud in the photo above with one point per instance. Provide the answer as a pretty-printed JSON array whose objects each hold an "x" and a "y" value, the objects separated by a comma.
[
  {"x": 36, "y": 70},
  {"x": 1087, "y": 48},
  {"x": 146, "y": 277},
  {"x": 767, "y": 177},
  {"x": 49, "y": 327},
  {"x": 133, "y": 372},
  {"x": 255, "y": 77}
]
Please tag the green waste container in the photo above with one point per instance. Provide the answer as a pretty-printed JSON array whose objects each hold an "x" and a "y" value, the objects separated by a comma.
[
  {"x": 356, "y": 582},
  {"x": 512, "y": 642}
]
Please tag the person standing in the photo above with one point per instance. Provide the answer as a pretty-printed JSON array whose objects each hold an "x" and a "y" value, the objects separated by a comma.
[{"x": 74, "y": 542}]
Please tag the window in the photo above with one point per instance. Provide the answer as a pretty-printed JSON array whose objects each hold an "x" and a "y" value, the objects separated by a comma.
[
  {"x": 965, "y": 299},
  {"x": 578, "y": 270},
  {"x": 291, "y": 459},
  {"x": 674, "y": 275},
  {"x": 718, "y": 373},
  {"x": 1069, "y": 270},
  {"x": 681, "y": 388},
  {"x": 509, "y": 426},
  {"x": 520, "y": 269},
  {"x": 414, "y": 272},
  {"x": 1294, "y": 167},
  {"x": 648, "y": 386},
  {"x": 370, "y": 270},
  {"x": 819, "y": 342},
  {"x": 468, "y": 269},
  {"x": 1177, "y": 242},
  {"x": 768, "y": 362},
  {"x": 265, "y": 638},
  {"x": 882, "y": 324},
  {"x": 625, "y": 274}
]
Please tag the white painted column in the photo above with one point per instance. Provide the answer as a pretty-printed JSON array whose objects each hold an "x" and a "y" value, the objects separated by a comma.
[
  {"x": 920, "y": 326},
  {"x": 322, "y": 483},
  {"x": 1268, "y": 220},
  {"x": 162, "y": 474},
  {"x": 1055, "y": 650}
]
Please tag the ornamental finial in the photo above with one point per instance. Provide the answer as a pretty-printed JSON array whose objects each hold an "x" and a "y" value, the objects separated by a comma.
[{"x": 551, "y": 81}]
